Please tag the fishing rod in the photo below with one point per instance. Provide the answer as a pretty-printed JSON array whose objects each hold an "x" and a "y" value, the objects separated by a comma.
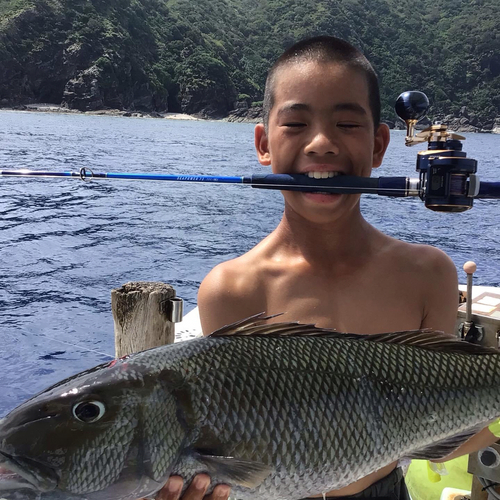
[
  {"x": 447, "y": 181},
  {"x": 389, "y": 186},
  {"x": 342, "y": 184}
]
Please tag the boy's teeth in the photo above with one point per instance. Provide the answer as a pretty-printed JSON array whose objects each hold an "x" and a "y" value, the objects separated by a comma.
[{"x": 322, "y": 175}]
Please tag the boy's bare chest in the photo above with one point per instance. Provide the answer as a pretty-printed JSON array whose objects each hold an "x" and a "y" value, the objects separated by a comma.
[{"x": 369, "y": 302}]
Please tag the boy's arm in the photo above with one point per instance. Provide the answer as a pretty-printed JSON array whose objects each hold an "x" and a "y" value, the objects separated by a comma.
[
  {"x": 441, "y": 304},
  {"x": 477, "y": 442}
]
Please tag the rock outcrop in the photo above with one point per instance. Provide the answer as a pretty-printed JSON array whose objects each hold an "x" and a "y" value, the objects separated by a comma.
[{"x": 242, "y": 112}]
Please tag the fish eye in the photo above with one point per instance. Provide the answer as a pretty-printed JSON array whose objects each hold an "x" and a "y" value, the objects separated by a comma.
[{"x": 89, "y": 411}]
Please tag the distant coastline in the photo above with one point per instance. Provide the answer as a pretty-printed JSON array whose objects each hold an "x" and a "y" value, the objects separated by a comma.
[
  {"x": 54, "y": 108},
  {"x": 250, "y": 117}
]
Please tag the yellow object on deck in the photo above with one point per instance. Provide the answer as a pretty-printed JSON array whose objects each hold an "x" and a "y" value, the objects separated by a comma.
[
  {"x": 435, "y": 471},
  {"x": 422, "y": 485},
  {"x": 494, "y": 428}
]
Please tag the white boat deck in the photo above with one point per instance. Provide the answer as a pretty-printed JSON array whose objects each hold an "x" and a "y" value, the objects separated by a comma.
[
  {"x": 189, "y": 327},
  {"x": 478, "y": 290}
]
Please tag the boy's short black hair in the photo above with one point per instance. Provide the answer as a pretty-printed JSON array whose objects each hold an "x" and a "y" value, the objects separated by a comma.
[{"x": 325, "y": 49}]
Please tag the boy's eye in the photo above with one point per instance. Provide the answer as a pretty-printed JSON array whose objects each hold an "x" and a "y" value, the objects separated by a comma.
[
  {"x": 349, "y": 125},
  {"x": 294, "y": 124}
]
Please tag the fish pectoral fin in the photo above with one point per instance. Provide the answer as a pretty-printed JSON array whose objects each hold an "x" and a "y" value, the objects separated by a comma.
[
  {"x": 241, "y": 472},
  {"x": 441, "y": 449}
]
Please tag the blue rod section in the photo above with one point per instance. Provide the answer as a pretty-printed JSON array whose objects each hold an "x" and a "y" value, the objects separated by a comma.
[
  {"x": 182, "y": 178},
  {"x": 489, "y": 190}
]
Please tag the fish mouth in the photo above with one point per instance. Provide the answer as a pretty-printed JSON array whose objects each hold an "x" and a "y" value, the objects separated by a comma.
[
  {"x": 11, "y": 481},
  {"x": 17, "y": 473}
]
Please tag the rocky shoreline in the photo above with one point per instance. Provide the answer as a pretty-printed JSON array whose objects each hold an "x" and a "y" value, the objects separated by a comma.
[
  {"x": 245, "y": 114},
  {"x": 54, "y": 108}
]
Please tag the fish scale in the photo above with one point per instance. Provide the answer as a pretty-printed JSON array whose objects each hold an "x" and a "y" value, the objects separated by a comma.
[{"x": 277, "y": 416}]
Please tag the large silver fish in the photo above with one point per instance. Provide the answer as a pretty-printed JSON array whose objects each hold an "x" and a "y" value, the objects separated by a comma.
[{"x": 277, "y": 411}]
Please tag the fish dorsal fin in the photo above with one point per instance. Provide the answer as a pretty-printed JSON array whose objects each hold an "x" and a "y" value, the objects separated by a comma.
[
  {"x": 432, "y": 340},
  {"x": 256, "y": 326}
]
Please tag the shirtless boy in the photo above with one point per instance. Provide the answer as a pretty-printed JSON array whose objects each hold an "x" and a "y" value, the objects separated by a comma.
[{"x": 324, "y": 264}]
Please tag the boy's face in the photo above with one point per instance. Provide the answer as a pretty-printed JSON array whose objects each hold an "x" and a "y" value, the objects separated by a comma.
[{"x": 320, "y": 122}]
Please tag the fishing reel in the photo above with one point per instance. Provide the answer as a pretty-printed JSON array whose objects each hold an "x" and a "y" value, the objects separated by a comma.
[{"x": 448, "y": 181}]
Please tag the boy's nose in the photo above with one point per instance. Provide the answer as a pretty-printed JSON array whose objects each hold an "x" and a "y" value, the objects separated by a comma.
[{"x": 322, "y": 144}]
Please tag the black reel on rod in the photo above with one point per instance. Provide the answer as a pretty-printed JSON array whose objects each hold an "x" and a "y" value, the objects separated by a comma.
[{"x": 448, "y": 181}]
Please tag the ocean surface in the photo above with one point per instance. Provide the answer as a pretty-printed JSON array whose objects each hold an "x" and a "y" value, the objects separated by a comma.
[{"x": 65, "y": 244}]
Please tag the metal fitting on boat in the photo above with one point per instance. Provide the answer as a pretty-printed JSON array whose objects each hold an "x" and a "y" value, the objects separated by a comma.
[
  {"x": 489, "y": 457},
  {"x": 176, "y": 309}
]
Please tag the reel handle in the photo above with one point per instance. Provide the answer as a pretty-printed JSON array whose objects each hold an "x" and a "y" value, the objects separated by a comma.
[{"x": 411, "y": 106}]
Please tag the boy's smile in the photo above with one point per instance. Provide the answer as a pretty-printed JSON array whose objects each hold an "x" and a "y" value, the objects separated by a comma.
[{"x": 320, "y": 125}]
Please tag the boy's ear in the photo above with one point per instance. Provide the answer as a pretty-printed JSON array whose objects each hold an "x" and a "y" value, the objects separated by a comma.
[
  {"x": 382, "y": 138},
  {"x": 262, "y": 145}
]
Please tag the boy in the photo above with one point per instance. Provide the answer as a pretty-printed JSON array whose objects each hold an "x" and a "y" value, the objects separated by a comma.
[{"x": 324, "y": 264}]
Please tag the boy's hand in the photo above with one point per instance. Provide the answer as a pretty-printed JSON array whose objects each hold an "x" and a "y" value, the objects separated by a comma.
[{"x": 195, "y": 491}]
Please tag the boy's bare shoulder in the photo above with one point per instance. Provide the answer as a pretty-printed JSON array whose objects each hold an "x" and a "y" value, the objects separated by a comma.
[
  {"x": 232, "y": 278},
  {"x": 420, "y": 258},
  {"x": 432, "y": 276},
  {"x": 421, "y": 266},
  {"x": 231, "y": 291}
]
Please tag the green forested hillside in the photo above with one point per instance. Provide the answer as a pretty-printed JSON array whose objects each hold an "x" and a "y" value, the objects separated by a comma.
[{"x": 203, "y": 56}]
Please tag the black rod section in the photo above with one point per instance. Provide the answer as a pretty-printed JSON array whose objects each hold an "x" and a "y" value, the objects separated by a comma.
[{"x": 386, "y": 186}]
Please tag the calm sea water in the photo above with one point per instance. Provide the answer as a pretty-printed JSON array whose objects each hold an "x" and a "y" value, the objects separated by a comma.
[{"x": 65, "y": 244}]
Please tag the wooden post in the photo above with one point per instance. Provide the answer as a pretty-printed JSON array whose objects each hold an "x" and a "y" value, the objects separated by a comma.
[{"x": 141, "y": 313}]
